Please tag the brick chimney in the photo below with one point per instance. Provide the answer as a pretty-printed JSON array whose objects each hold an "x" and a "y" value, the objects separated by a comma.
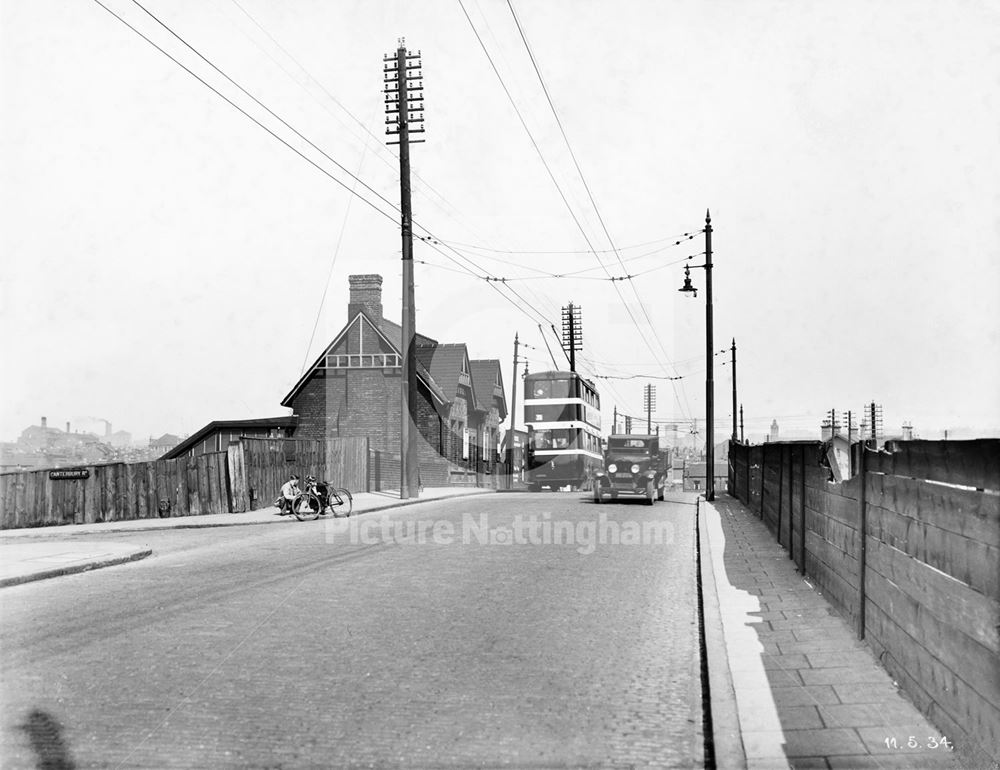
[
  {"x": 67, "y": 427},
  {"x": 45, "y": 423},
  {"x": 366, "y": 294}
]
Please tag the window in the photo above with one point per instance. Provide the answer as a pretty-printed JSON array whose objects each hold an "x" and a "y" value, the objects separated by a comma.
[
  {"x": 559, "y": 388},
  {"x": 553, "y": 413},
  {"x": 628, "y": 443},
  {"x": 558, "y": 438}
]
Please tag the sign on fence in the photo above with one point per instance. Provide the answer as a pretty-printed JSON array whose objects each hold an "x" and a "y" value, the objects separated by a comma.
[{"x": 70, "y": 473}]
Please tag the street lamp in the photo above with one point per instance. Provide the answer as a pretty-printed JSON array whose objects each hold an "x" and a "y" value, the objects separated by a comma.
[{"x": 688, "y": 288}]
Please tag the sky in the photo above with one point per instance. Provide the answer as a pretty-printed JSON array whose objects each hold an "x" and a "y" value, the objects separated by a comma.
[{"x": 166, "y": 261}]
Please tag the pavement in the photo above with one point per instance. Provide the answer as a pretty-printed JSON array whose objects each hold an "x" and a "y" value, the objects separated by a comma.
[
  {"x": 34, "y": 553},
  {"x": 791, "y": 685}
]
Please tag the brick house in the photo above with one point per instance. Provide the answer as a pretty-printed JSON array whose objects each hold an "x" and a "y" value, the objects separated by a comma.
[
  {"x": 492, "y": 404},
  {"x": 353, "y": 389}
]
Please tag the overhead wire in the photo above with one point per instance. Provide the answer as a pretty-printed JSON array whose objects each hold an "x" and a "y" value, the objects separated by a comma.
[
  {"x": 245, "y": 113},
  {"x": 557, "y": 185},
  {"x": 586, "y": 186},
  {"x": 265, "y": 107},
  {"x": 423, "y": 185},
  {"x": 520, "y": 299},
  {"x": 524, "y": 304}
]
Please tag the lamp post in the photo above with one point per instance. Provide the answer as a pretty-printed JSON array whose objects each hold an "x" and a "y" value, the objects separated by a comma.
[{"x": 709, "y": 354}]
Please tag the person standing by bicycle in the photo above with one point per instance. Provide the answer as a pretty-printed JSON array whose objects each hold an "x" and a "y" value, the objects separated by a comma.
[{"x": 289, "y": 491}]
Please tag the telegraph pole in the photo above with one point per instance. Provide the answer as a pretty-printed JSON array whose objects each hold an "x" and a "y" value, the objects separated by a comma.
[
  {"x": 733, "y": 349},
  {"x": 709, "y": 376},
  {"x": 513, "y": 411},
  {"x": 404, "y": 105},
  {"x": 614, "y": 424},
  {"x": 649, "y": 403},
  {"x": 742, "y": 437},
  {"x": 572, "y": 332}
]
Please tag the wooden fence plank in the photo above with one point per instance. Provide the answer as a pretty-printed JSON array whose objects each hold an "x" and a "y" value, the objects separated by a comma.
[
  {"x": 831, "y": 582},
  {"x": 842, "y": 563},
  {"x": 194, "y": 500},
  {"x": 239, "y": 492},
  {"x": 829, "y": 503},
  {"x": 201, "y": 489},
  {"x": 909, "y": 662},
  {"x": 180, "y": 488},
  {"x": 974, "y": 562},
  {"x": 948, "y": 599},
  {"x": 969, "y": 463},
  {"x": 834, "y": 531},
  {"x": 968, "y": 659},
  {"x": 966, "y": 512}
]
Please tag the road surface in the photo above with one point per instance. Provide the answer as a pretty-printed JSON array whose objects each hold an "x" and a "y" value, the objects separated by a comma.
[{"x": 472, "y": 639}]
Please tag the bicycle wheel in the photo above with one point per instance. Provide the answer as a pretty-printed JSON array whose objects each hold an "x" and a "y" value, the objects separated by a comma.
[
  {"x": 346, "y": 504},
  {"x": 306, "y": 507}
]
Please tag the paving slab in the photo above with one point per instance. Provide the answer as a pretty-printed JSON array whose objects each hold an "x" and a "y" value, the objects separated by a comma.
[
  {"x": 25, "y": 562},
  {"x": 807, "y": 692}
]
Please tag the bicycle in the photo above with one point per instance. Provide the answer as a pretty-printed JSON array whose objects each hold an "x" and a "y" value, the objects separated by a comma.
[{"x": 320, "y": 498}]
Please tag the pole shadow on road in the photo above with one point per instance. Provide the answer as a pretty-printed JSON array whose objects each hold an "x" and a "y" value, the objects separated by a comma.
[{"x": 45, "y": 734}]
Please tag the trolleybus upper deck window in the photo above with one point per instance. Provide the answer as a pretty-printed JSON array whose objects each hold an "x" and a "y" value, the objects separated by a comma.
[{"x": 551, "y": 389}]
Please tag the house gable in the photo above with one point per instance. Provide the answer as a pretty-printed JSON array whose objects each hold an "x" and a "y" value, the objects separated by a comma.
[
  {"x": 488, "y": 382},
  {"x": 362, "y": 344},
  {"x": 449, "y": 365}
]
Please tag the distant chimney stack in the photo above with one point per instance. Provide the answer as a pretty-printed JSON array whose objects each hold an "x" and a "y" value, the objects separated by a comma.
[
  {"x": 67, "y": 426},
  {"x": 907, "y": 432},
  {"x": 45, "y": 423},
  {"x": 366, "y": 294}
]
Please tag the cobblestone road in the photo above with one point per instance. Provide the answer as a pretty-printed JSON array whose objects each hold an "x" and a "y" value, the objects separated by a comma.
[{"x": 274, "y": 647}]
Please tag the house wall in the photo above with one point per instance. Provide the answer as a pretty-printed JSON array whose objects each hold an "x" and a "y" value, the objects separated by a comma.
[{"x": 366, "y": 403}]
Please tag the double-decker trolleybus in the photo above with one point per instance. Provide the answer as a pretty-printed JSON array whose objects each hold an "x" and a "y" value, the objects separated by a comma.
[{"x": 562, "y": 412}]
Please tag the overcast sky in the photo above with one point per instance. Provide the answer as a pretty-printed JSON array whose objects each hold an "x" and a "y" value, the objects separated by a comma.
[{"x": 165, "y": 259}]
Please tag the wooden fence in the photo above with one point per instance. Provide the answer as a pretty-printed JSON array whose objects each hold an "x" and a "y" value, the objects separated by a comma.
[
  {"x": 922, "y": 585},
  {"x": 116, "y": 492},
  {"x": 269, "y": 462},
  {"x": 246, "y": 477}
]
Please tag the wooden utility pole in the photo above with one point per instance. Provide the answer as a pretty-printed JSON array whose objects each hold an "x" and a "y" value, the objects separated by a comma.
[
  {"x": 733, "y": 349},
  {"x": 513, "y": 412},
  {"x": 709, "y": 377},
  {"x": 649, "y": 403},
  {"x": 403, "y": 106}
]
